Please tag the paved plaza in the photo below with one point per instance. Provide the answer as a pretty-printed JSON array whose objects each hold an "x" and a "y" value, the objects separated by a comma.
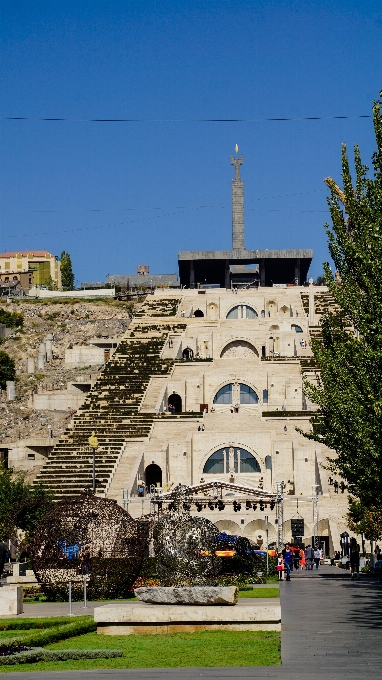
[{"x": 331, "y": 629}]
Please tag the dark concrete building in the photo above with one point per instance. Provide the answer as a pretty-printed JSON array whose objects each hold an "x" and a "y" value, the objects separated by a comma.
[{"x": 230, "y": 267}]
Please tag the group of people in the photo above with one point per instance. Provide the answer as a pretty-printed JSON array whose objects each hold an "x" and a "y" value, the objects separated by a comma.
[{"x": 294, "y": 557}]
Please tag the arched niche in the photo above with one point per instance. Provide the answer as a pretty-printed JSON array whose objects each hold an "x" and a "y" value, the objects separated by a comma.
[
  {"x": 175, "y": 400},
  {"x": 228, "y": 526},
  {"x": 213, "y": 311},
  {"x": 285, "y": 310},
  {"x": 153, "y": 475},
  {"x": 239, "y": 349},
  {"x": 274, "y": 328}
]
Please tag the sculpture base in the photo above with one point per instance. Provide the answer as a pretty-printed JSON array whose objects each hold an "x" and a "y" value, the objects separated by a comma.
[
  {"x": 11, "y": 600},
  {"x": 199, "y": 595},
  {"x": 136, "y": 618}
]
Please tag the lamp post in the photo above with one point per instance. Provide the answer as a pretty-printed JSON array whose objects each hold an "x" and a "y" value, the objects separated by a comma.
[
  {"x": 315, "y": 515},
  {"x": 93, "y": 444}
]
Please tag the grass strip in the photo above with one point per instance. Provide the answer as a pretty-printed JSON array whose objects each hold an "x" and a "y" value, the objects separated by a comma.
[
  {"x": 178, "y": 650},
  {"x": 32, "y": 623},
  {"x": 260, "y": 592}
]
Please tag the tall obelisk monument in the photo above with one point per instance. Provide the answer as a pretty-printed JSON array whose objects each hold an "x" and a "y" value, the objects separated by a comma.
[{"x": 237, "y": 204}]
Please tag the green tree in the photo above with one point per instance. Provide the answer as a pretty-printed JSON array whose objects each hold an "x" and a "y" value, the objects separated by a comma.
[
  {"x": 22, "y": 505},
  {"x": 50, "y": 284},
  {"x": 7, "y": 369},
  {"x": 11, "y": 319},
  {"x": 349, "y": 352},
  {"x": 67, "y": 276},
  {"x": 367, "y": 521}
]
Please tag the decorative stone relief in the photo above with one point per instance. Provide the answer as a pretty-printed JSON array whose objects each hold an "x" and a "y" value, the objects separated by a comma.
[{"x": 239, "y": 349}]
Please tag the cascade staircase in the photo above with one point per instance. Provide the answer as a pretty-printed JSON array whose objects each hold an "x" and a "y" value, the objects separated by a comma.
[{"x": 112, "y": 411}]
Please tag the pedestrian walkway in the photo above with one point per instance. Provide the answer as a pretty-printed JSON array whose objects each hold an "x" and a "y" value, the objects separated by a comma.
[{"x": 331, "y": 629}]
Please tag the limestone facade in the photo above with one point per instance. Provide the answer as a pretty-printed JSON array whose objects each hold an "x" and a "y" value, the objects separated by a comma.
[{"x": 239, "y": 363}]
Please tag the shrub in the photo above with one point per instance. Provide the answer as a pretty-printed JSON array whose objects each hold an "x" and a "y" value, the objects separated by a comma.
[
  {"x": 11, "y": 319},
  {"x": 40, "y": 654},
  {"x": 7, "y": 369}
]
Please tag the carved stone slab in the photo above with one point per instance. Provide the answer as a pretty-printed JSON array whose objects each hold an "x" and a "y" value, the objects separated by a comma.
[{"x": 188, "y": 595}]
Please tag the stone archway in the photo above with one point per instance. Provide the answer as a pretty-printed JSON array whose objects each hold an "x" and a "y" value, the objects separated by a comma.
[
  {"x": 198, "y": 313},
  {"x": 256, "y": 528},
  {"x": 153, "y": 475},
  {"x": 175, "y": 400},
  {"x": 228, "y": 526},
  {"x": 239, "y": 349}
]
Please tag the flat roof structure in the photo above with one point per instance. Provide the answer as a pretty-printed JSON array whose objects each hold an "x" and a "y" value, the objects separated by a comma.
[{"x": 213, "y": 266}]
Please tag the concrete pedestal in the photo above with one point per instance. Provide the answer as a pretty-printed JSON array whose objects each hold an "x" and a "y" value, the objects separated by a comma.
[
  {"x": 136, "y": 618},
  {"x": 11, "y": 600}
]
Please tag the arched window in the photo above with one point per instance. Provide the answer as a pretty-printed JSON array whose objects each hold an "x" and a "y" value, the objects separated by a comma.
[
  {"x": 248, "y": 395},
  {"x": 215, "y": 463},
  {"x": 224, "y": 396},
  {"x": 296, "y": 328},
  {"x": 242, "y": 312},
  {"x": 231, "y": 459}
]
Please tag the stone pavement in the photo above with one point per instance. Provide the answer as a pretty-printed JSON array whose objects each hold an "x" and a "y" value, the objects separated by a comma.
[{"x": 331, "y": 629}]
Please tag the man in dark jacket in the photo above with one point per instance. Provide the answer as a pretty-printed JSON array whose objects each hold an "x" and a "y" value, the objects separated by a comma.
[{"x": 288, "y": 560}]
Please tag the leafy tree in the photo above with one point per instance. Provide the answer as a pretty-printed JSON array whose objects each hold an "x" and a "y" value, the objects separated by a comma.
[
  {"x": 7, "y": 369},
  {"x": 367, "y": 521},
  {"x": 349, "y": 352},
  {"x": 22, "y": 505},
  {"x": 50, "y": 284},
  {"x": 11, "y": 319},
  {"x": 67, "y": 276}
]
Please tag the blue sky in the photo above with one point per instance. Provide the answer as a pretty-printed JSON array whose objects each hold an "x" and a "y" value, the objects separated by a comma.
[{"x": 120, "y": 194}]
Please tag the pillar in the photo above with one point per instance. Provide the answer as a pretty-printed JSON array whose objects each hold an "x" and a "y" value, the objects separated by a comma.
[
  {"x": 297, "y": 271},
  {"x": 31, "y": 365},
  {"x": 237, "y": 214},
  {"x": 227, "y": 275},
  {"x": 192, "y": 274},
  {"x": 11, "y": 390},
  {"x": 262, "y": 272}
]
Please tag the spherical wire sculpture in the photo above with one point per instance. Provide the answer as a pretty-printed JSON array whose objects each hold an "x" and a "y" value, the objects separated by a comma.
[
  {"x": 185, "y": 545},
  {"x": 88, "y": 538}
]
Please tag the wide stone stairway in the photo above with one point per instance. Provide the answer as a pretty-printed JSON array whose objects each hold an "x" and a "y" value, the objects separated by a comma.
[{"x": 112, "y": 408}]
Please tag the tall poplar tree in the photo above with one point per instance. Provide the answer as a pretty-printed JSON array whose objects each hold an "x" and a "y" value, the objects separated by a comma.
[
  {"x": 67, "y": 276},
  {"x": 349, "y": 351}
]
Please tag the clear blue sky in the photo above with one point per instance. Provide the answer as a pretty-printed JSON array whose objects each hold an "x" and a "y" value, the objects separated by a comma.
[{"x": 144, "y": 182}]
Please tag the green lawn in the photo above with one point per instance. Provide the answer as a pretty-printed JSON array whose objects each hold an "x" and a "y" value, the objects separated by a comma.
[
  {"x": 180, "y": 650},
  {"x": 260, "y": 592}
]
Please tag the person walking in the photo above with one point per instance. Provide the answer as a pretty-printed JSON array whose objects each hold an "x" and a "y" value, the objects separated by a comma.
[
  {"x": 288, "y": 559},
  {"x": 354, "y": 559},
  {"x": 280, "y": 566},
  {"x": 302, "y": 559},
  {"x": 317, "y": 557},
  {"x": 309, "y": 554}
]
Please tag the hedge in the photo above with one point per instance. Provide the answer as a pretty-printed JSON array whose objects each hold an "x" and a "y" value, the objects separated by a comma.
[
  {"x": 40, "y": 654},
  {"x": 55, "y": 634}
]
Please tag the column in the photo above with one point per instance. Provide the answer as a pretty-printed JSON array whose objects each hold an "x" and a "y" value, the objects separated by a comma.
[{"x": 192, "y": 274}]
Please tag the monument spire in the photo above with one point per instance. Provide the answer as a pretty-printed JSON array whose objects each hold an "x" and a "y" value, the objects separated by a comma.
[{"x": 237, "y": 204}]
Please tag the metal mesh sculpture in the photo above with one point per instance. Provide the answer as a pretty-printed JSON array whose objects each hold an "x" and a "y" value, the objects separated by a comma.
[
  {"x": 88, "y": 537},
  {"x": 185, "y": 545}
]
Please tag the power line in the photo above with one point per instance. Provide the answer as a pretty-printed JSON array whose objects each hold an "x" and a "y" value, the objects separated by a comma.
[
  {"x": 177, "y": 207},
  {"x": 181, "y": 120}
]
